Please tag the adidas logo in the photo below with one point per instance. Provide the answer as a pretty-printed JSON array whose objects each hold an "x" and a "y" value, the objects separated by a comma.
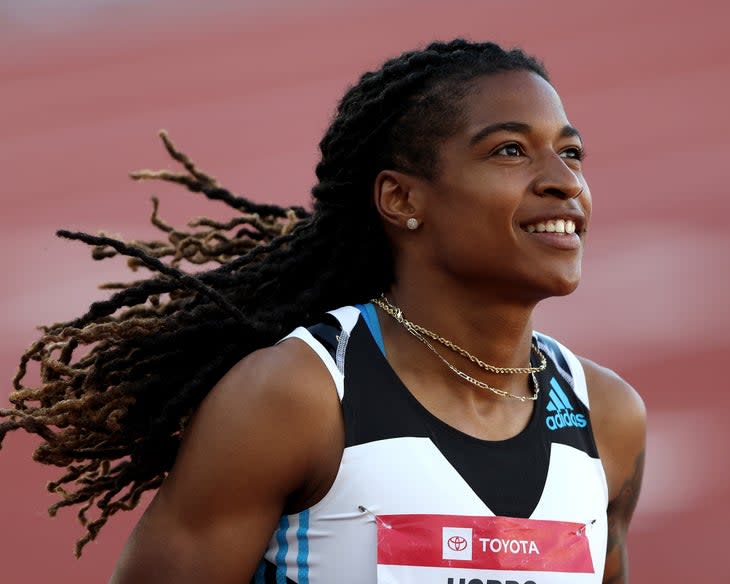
[{"x": 563, "y": 416}]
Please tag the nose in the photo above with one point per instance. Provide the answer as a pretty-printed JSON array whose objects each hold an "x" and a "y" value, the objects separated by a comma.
[{"x": 557, "y": 179}]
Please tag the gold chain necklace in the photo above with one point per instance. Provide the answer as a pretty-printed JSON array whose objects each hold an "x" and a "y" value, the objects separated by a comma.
[
  {"x": 397, "y": 314},
  {"x": 419, "y": 332}
]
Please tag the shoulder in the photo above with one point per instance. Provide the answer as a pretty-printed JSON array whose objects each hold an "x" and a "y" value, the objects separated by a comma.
[
  {"x": 615, "y": 405},
  {"x": 618, "y": 417},
  {"x": 257, "y": 423},
  {"x": 289, "y": 375},
  {"x": 266, "y": 440},
  {"x": 285, "y": 384}
]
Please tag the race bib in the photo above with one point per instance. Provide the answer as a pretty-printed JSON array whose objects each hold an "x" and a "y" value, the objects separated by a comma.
[{"x": 455, "y": 549}]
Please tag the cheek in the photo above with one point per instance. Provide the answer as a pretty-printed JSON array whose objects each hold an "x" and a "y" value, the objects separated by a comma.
[
  {"x": 476, "y": 230},
  {"x": 475, "y": 207},
  {"x": 587, "y": 203}
]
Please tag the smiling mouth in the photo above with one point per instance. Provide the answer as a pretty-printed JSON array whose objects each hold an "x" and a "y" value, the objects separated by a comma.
[{"x": 566, "y": 226}]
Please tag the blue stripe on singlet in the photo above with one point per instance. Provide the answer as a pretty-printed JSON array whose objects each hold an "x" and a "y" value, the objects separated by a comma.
[
  {"x": 303, "y": 544},
  {"x": 282, "y": 551},
  {"x": 258, "y": 577},
  {"x": 371, "y": 319},
  {"x": 561, "y": 394}
]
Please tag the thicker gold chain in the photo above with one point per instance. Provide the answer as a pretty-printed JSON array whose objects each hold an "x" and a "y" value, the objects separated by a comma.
[
  {"x": 397, "y": 314},
  {"x": 478, "y": 383},
  {"x": 415, "y": 330}
]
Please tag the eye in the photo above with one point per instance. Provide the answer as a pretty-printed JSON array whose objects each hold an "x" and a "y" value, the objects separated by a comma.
[
  {"x": 573, "y": 153},
  {"x": 510, "y": 150}
]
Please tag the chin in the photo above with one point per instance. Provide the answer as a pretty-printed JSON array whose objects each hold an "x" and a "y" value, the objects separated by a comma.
[
  {"x": 567, "y": 288},
  {"x": 553, "y": 285},
  {"x": 565, "y": 284},
  {"x": 534, "y": 291}
]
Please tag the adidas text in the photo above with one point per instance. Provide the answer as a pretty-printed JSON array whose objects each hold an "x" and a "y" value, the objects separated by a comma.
[{"x": 566, "y": 419}]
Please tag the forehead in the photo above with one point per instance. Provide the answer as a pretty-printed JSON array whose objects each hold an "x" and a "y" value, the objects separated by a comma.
[{"x": 512, "y": 96}]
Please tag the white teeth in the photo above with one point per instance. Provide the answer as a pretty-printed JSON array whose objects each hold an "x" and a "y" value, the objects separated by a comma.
[{"x": 552, "y": 226}]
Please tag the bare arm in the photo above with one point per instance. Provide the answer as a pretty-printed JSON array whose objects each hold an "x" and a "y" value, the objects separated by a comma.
[
  {"x": 619, "y": 422},
  {"x": 620, "y": 510},
  {"x": 251, "y": 453}
]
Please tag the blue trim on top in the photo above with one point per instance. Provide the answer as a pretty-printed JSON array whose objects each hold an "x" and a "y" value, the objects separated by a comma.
[
  {"x": 371, "y": 319},
  {"x": 258, "y": 577},
  {"x": 282, "y": 551},
  {"x": 303, "y": 544}
]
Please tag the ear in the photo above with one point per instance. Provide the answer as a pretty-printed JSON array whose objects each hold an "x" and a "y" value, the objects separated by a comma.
[{"x": 397, "y": 197}]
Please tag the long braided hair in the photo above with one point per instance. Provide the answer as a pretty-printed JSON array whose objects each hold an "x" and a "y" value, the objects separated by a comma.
[{"x": 119, "y": 383}]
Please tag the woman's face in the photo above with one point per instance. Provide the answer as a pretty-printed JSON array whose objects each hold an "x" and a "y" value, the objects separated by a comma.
[{"x": 508, "y": 182}]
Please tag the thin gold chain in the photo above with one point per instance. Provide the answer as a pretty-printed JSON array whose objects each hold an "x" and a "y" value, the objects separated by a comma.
[
  {"x": 414, "y": 329},
  {"x": 397, "y": 314},
  {"x": 481, "y": 384}
]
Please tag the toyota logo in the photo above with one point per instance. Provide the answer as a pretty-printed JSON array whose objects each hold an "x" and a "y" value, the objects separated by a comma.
[{"x": 456, "y": 543}]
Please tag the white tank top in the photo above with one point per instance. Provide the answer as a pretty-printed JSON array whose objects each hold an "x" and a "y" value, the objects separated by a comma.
[{"x": 416, "y": 500}]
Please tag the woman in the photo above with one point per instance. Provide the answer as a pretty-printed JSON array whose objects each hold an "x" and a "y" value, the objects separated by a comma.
[{"x": 420, "y": 431}]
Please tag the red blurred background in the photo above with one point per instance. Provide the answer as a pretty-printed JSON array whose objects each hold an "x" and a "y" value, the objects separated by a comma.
[{"x": 247, "y": 89}]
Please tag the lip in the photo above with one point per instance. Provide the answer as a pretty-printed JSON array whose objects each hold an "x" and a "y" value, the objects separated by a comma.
[
  {"x": 573, "y": 214},
  {"x": 567, "y": 241},
  {"x": 562, "y": 241}
]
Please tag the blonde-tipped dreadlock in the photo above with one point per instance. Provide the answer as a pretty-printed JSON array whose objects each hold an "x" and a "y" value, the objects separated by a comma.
[
  {"x": 213, "y": 243},
  {"x": 76, "y": 423},
  {"x": 118, "y": 384}
]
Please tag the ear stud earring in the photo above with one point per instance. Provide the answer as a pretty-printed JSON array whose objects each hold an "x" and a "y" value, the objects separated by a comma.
[{"x": 412, "y": 223}]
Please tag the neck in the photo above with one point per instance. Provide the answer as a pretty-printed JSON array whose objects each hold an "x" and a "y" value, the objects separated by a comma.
[{"x": 497, "y": 332}]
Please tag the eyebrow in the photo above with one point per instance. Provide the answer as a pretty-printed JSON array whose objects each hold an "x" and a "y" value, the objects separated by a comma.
[{"x": 520, "y": 128}]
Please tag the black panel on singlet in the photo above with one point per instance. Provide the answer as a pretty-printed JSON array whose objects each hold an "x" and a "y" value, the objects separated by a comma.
[
  {"x": 327, "y": 333},
  {"x": 508, "y": 475},
  {"x": 579, "y": 438}
]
